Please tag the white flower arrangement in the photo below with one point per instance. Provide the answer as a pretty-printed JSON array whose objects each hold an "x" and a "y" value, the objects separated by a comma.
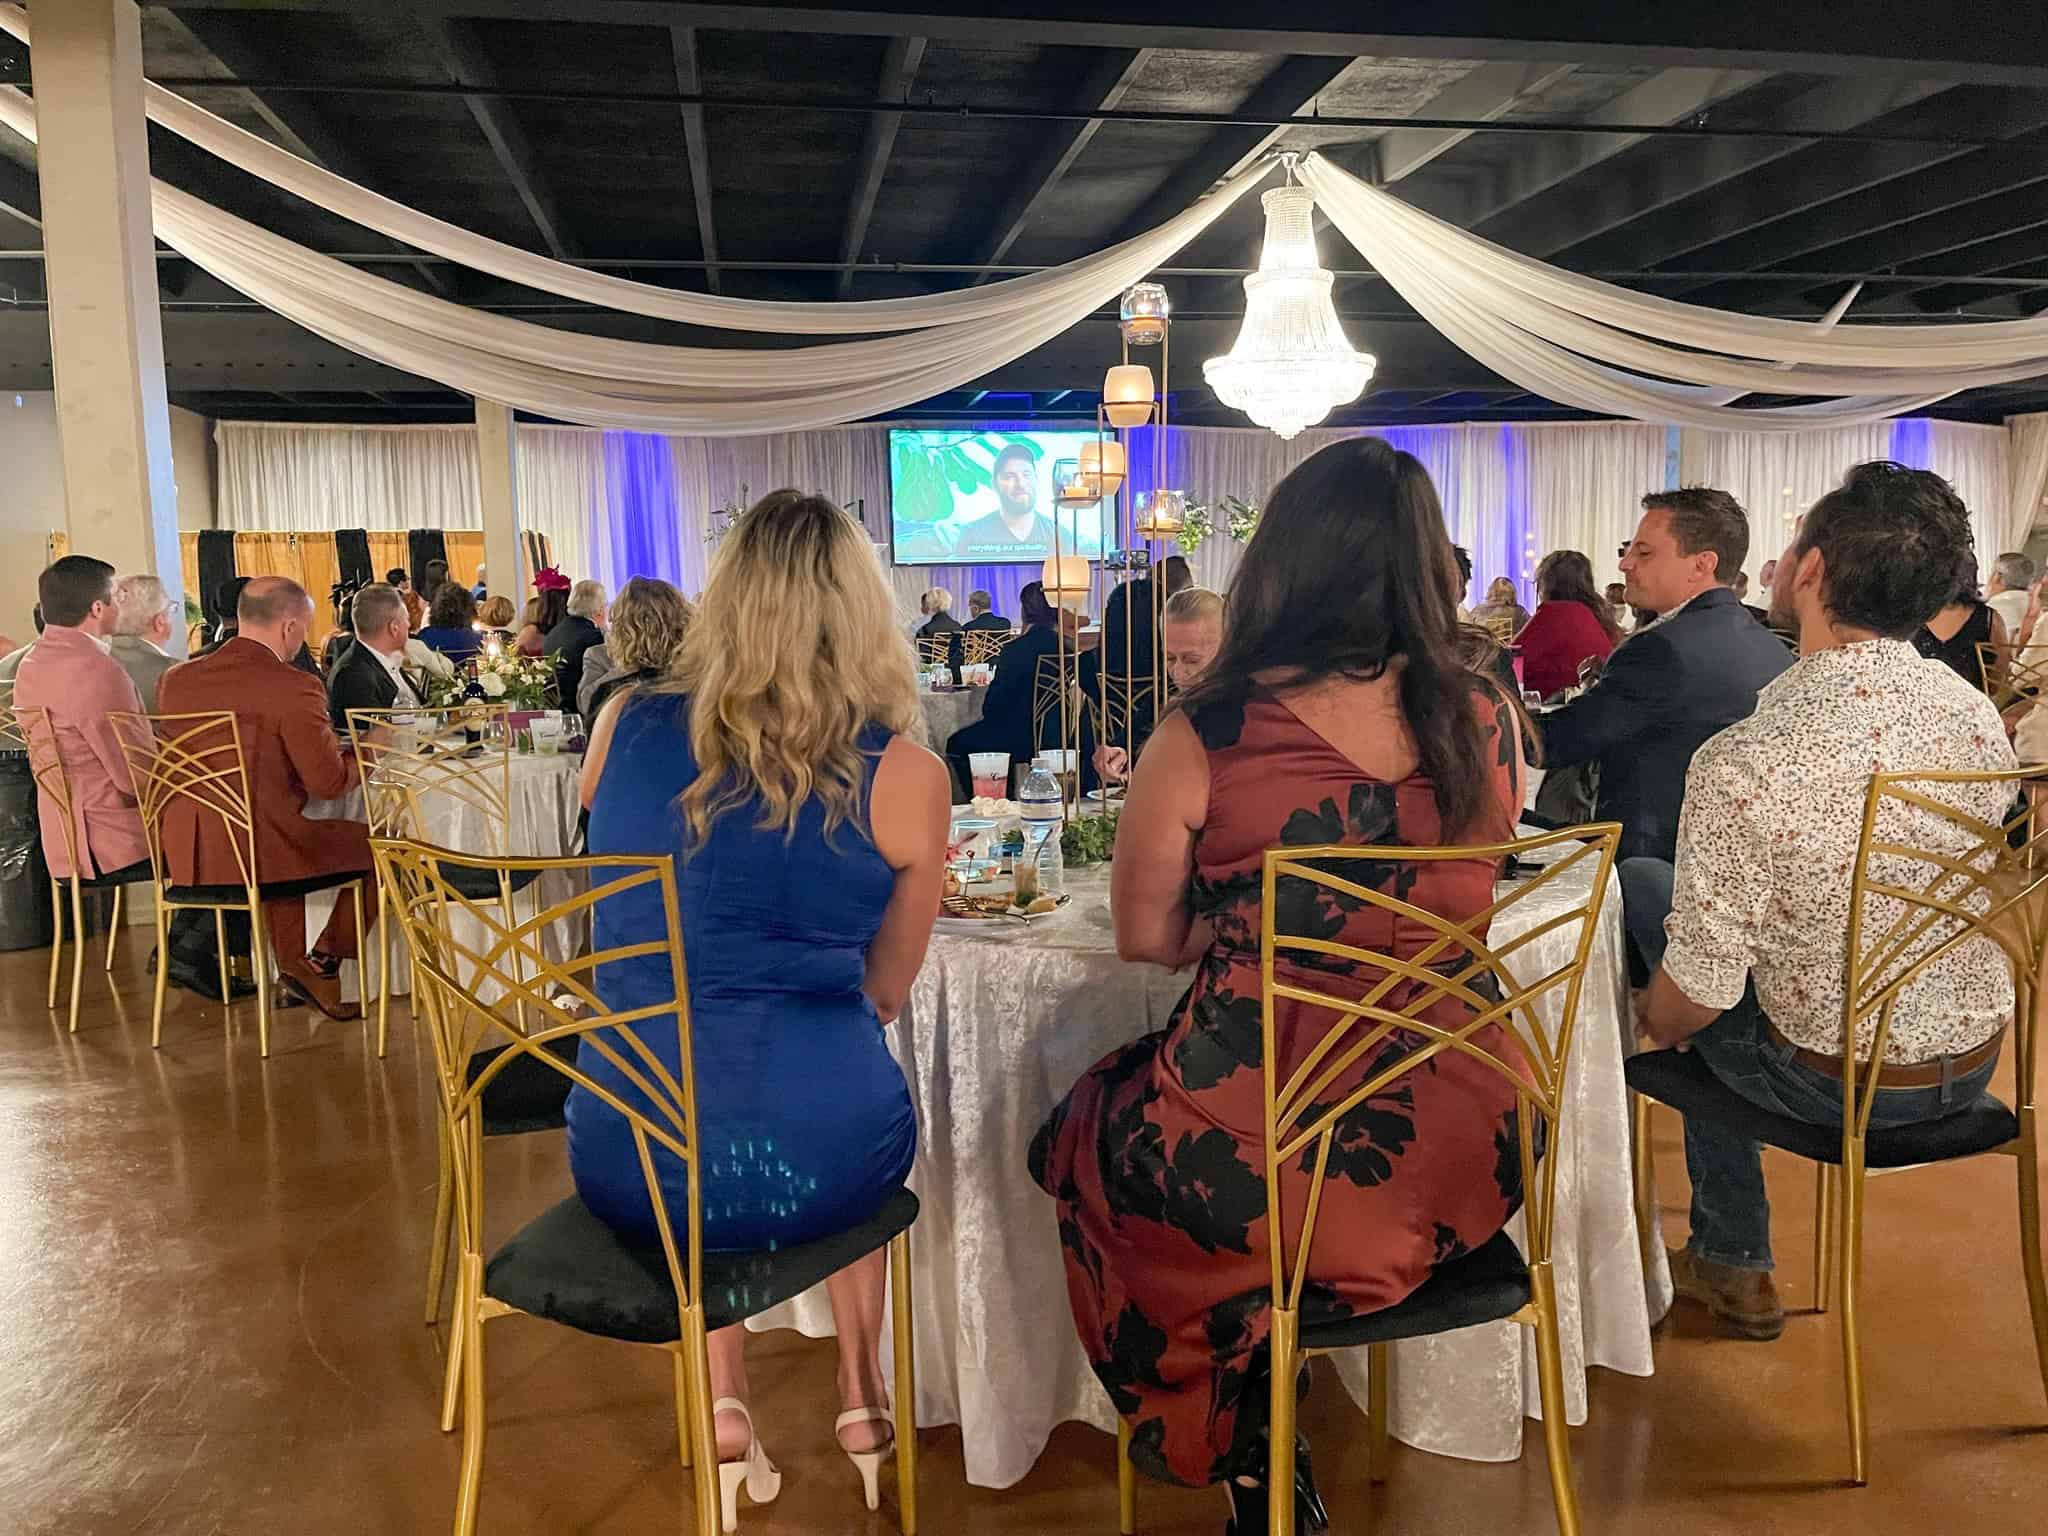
[{"x": 523, "y": 682}]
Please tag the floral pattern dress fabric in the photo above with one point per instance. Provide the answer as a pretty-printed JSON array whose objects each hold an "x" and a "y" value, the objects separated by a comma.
[{"x": 1156, "y": 1158}]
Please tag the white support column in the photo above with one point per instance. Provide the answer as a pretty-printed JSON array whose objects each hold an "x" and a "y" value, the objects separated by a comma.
[
  {"x": 497, "y": 460},
  {"x": 106, "y": 336}
]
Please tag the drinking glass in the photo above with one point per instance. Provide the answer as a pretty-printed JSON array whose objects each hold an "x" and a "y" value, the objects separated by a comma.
[{"x": 991, "y": 774}]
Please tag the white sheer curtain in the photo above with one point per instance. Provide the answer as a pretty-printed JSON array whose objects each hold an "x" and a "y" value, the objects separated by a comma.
[
  {"x": 1581, "y": 486},
  {"x": 1777, "y": 476},
  {"x": 2026, "y": 477}
]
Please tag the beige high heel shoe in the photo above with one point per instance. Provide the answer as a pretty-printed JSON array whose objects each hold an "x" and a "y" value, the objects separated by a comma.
[
  {"x": 754, "y": 1469},
  {"x": 867, "y": 1463}
]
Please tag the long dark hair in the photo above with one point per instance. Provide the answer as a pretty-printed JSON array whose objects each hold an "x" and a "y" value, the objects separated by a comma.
[
  {"x": 1034, "y": 609},
  {"x": 554, "y": 607},
  {"x": 1566, "y": 576},
  {"x": 1350, "y": 573}
]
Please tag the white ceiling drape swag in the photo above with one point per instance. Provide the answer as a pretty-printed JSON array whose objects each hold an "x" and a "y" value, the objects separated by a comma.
[{"x": 1603, "y": 348}]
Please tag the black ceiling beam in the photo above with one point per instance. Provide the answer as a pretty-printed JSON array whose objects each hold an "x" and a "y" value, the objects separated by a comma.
[
  {"x": 900, "y": 63},
  {"x": 1103, "y": 86},
  {"x": 294, "y": 121},
  {"x": 1540, "y": 162},
  {"x": 1288, "y": 90},
  {"x": 1987, "y": 40},
  {"x": 682, "y": 43},
  {"x": 1593, "y": 216},
  {"x": 1945, "y": 243},
  {"x": 1787, "y": 213},
  {"x": 467, "y": 65}
]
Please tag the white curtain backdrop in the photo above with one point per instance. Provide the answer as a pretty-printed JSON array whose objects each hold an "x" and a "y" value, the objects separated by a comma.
[{"x": 2027, "y": 477}]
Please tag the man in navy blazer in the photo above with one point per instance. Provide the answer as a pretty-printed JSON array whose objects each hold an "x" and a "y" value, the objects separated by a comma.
[{"x": 1676, "y": 682}]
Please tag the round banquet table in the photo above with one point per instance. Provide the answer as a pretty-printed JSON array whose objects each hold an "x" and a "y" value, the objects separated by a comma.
[
  {"x": 945, "y": 713},
  {"x": 542, "y": 825},
  {"x": 997, "y": 1028}
]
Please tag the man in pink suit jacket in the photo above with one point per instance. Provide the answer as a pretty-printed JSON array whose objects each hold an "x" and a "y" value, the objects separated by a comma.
[{"x": 70, "y": 674}]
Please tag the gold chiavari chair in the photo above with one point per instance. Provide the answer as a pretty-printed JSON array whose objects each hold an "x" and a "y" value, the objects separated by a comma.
[
  {"x": 27, "y": 727},
  {"x": 566, "y": 1266},
  {"x": 2011, "y": 676},
  {"x": 933, "y": 650},
  {"x": 405, "y": 758},
  {"x": 195, "y": 761},
  {"x": 1910, "y": 906},
  {"x": 983, "y": 647},
  {"x": 463, "y": 756},
  {"x": 1046, "y": 681},
  {"x": 1111, "y": 711},
  {"x": 1379, "y": 1036}
]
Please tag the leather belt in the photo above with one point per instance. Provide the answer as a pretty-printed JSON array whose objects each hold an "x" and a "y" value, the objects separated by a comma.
[{"x": 1919, "y": 1074}]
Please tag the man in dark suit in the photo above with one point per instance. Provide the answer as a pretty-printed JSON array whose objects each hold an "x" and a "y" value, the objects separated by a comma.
[
  {"x": 371, "y": 673},
  {"x": 1124, "y": 658},
  {"x": 1673, "y": 684},
  {"x": 291, "y": 756},
  {"x": 979, "y": 616},
  {"x": 581, "y": 628}
]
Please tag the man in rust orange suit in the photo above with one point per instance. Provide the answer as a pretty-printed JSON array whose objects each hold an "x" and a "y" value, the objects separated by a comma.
[{"x": 292, "y": 756}]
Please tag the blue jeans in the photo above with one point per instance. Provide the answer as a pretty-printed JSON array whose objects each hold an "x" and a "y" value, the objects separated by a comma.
[{"x": 1731, "y": 1216}]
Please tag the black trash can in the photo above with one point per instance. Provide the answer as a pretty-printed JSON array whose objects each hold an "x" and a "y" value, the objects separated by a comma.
[{"x": 24, "y": 877}]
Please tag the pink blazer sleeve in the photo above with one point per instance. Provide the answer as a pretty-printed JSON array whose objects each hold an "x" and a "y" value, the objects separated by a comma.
[{"x": 111, "y": 688}]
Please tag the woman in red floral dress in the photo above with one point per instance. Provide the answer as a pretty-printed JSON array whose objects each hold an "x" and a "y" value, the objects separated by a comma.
[{"x": 1337, "y": 711}]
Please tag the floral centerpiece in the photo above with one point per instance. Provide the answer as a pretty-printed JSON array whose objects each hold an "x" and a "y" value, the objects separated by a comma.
[
  {"x": 1238, "y": 517},
  {"x": 523, "y": 682}
]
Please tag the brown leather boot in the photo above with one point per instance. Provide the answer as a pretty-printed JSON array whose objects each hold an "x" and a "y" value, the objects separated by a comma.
[{"x": 1743, "y": 1301}]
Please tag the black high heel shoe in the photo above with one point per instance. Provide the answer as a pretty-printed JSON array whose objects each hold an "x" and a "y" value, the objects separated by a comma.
[{"x": 1250, "y": 1509}]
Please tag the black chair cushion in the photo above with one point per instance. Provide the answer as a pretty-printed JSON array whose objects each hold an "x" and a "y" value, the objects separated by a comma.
[
  {"x": 128, "y": 874},
  {"x": 570, "y": 1268},
  {"x": 1687, "y": 1084},
  {"x": 482, "y": 884},
  {"x": 528, "y": 1095},
  {"x": 1485, "y": 1285},
  {"x": 236, "y": 896}
]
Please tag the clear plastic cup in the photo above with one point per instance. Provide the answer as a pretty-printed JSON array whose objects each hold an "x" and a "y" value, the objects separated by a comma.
[{"x": 991, "y": 772}]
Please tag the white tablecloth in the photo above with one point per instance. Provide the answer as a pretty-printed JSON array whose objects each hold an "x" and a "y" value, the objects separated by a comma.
[
  {"x": 996, "y": 1031},
  {"x": 542, "y": 825},
  {"x": 945, "y": 713}
]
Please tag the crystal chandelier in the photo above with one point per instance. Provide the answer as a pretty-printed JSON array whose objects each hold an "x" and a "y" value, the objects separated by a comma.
[{"x": 1291, "y": 364}]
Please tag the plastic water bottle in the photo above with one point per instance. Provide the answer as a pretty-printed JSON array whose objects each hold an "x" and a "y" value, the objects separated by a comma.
[
  {"x": 1040, "y": 808},
  {"x": 1038, "y": 798}
]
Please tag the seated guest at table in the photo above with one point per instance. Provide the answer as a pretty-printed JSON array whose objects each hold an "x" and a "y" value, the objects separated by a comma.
[
  {"x": 291, "y": 756},
  {"x": 1750, "y": 962},
  {"x": 432, "y": 580},
  {"x": 373, "y": 673},
  {"x": 1122, "y": 663},
  {"x": 1674, "y": 684},
  {"x": 1964, "y": 622},
  {"x": 451, "y": 627},
  {"x": 547, "y": 608},
  {"x": 1502, "y": 612},
  {"x": 937, "y": 606},
  {"x": 481, "y": 591},
  {"x": 415, "y": 605},
  {"x": 70, "y": 674},
  {"x": 981, "y": 613},
  {"x": 10, "y": 664},
  {"x": 142, "y": 628},
  {"x": 1339, "y": 683},
  {"x": 648, "y": 623},
  {"x": 783, "y": 757},
  {"x": 1194, "y": 633},
  {"x": 1572, "y": 624},
  {"x": 495, "y": 614},
  {"x": 225, "y": 602},
  {"x": 1010, "y": 700},
  {"x": 581, "y": 628},
  {"x": 1617, "y": 605}
]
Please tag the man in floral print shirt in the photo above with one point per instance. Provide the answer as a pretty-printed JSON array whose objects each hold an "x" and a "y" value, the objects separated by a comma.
[{"x": 1750, "y": 962}]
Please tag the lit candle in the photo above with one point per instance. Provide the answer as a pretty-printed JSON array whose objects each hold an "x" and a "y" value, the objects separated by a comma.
[
  {"x": 1127, "y": 394},
  {"x": 1102, "y": 466}
]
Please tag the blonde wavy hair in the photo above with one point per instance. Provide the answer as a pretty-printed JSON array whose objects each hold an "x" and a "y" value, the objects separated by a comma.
[
  {"x": 794, "y": 651},
  {"x": 649, "y": 620}
]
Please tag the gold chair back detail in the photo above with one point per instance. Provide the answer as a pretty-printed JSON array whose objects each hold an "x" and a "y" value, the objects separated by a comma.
[
  {"x": 1969, "y": 883},
  {"x": 2012, "y": 676},
  {"x": 983, "y": 647},
  {"x": 933, "y": 649},
  {"x": 560, "y": 1002}
]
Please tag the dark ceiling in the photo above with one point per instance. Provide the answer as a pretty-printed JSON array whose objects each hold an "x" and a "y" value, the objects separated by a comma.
[{"x": 1757, "y": 156}]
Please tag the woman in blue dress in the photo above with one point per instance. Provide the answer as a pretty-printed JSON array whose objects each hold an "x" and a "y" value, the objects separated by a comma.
[{"x": 781, "y": 767}]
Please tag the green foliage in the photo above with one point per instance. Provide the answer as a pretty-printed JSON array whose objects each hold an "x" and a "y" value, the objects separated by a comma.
[{"x": 1089, "y": 839}]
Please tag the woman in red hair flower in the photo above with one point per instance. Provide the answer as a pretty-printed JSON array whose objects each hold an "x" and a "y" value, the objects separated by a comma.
[{"x": 543, "y": 611}]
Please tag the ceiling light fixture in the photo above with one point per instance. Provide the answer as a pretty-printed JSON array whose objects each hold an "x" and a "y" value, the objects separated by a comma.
[{"x": 1291, "y": 364}]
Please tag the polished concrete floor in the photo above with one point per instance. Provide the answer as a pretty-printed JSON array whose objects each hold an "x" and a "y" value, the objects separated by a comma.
[{"x": 210, "y": 1321}]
